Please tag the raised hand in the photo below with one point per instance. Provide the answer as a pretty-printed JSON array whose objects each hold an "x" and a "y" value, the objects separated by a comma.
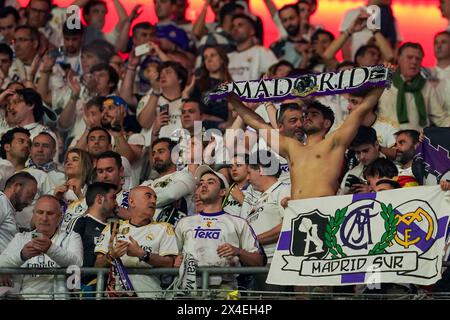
[{"x": 135, "y": 13}]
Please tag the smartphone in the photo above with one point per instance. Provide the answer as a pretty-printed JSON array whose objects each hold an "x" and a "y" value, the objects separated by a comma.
[
  {"x": 36, "y": 234},
  {"x": 123, "y": 237},
  {"x": 55, "y": 53},
  {"x": 164, "y": 108},
  {"x": 142, "y": 49},
  {"x": 65, "y": 66}
]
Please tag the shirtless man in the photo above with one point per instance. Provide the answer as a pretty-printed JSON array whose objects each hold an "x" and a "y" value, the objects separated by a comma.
[{"x": 315, "y": 167}]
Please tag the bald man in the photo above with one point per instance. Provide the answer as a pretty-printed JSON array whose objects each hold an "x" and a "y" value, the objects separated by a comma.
[
  {"x": 45, "y": 247},
  {"x": 139, "y": 242}
]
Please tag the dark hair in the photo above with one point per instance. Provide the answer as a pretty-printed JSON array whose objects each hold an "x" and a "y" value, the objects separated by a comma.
[
  {"x": 204, "y": 78},
  {"x": 34, "y": 33},
  {"x": 346, "y": 63},
  {"x": 326, "y": 111},
  {"x": 285, "y": 107},
  {"x": 44, "y": 133},
  {"x": 87, "y": 8},
  {"x": 79, "y": 31},
  {"x": 228, "y": 9},
  {"x": 289, "y": 6},
  {"x": 8, "y": 10},
  {"x": 201, "y": 106},
  {"x": 315, "y": 36},
  {"x": 365, "y": 135},
  {"x": 273, "y": 68},
  {"x": 245, "y": 156},
  {"x": 33, "y": 98},
  {"x": 98, "y": 188},
  {"x": 181, "y": 71},
  {"x": 413, "y": 134},
  {"x": 96, "y": 101},
  {"x": 5, "y": 49},
  {"x": 99, "y": 129},
  {"x": 8, "y": 137},
  {"x": 142, "y": 26},
  {"x": 445, "y": 33},
  {"x": 381, "y": 167},
  {"x": 21, "y": 177},
  {"x": 111, "y": 154},
  {"x": 170, "y": 142},
  {"x": 102, "y": 49},
  {"x": 247, "y": 18},
  {"x": 413, "y": 45},
  {"x": 255, "y": 161},
  {"x": 113, "y": 76},
  {"x": 390, "y": 182},
  {"x": 363, "y": 50}
]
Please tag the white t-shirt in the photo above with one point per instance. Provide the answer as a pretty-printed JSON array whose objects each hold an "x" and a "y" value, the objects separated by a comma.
[
  {"x": 159, "y": 237},
  {"x": 201, "y": 234},
  {"x": 66, "y": 250},
  {"x": 251, "y": 63},
  {"x": 45, "y": 185},
  {"x": 179, "y": 185},
  {"x": 8, "y": 226},
  {"x": 443, "y": 88},
  {"x": 7, "y": 170},
  {"x": 267, "y": 212},
  {"x": 174, "y": 117}
]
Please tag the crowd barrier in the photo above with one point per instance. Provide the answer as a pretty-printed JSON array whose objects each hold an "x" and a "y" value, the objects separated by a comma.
[{"x": 205, "y": 292}]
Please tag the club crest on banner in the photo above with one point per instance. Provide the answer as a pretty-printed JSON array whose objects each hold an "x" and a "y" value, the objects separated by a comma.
[{"x": 335, "y": 245}]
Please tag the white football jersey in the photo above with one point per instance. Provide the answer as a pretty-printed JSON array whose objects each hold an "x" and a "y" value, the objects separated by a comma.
[
  {"x": 201, "y": 234},
  {"x": 267, "y": 212},
  {"x": 8, "y": 226},
  {"x": 66, "y": 250},
  {"x": 159, "y": 237}
]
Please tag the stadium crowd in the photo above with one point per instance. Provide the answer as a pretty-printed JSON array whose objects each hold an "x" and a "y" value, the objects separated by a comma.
[{"x": 110, "y": 148}]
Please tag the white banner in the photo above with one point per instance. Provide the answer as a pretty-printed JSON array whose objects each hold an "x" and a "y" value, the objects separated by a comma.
[{"x": 395, "y": 236}]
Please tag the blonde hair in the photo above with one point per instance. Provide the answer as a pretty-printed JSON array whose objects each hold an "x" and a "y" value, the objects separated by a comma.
[{"x": 85, "y": 161}]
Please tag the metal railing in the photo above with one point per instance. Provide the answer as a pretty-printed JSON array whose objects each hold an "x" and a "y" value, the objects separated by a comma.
[
  {"x": 206, "y": 272},
  {"x": 100, "y": 273}
]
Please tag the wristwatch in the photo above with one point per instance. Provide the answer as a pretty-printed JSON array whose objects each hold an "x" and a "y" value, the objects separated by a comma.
[{"x": 146, "y": 256}]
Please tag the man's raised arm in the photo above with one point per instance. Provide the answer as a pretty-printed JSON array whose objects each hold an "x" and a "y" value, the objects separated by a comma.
[
  {"x": 345, "y": 134},
  {"x": 252, "y": 119}
]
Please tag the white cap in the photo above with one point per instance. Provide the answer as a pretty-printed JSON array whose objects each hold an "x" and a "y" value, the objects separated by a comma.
[{"x": 201, "y": 170}]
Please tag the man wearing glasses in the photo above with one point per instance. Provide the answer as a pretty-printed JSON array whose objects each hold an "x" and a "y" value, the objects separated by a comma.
[{"x": 26, "y": 46}]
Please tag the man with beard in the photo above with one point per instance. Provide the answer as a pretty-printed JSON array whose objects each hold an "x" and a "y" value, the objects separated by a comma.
[
  {"x": 114, "y": 115},
  {"x": 310, "y": 170},
  {"x": 19, "y": 192},
  {"x": 290, "y": 47},
  {"x": 71, "y": 55},
  {"x": 289, "y": 121},
  {"x": 406, "y": 144},
  {"x": 15, "y": 150},
  {"x": 249, "y": 61},
  {"x": 102, "y": 205},
  {"x": 174, "y": 189}
]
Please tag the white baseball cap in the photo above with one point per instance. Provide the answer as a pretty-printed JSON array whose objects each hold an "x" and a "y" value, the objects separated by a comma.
[{"x": 201, "y": 170}]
